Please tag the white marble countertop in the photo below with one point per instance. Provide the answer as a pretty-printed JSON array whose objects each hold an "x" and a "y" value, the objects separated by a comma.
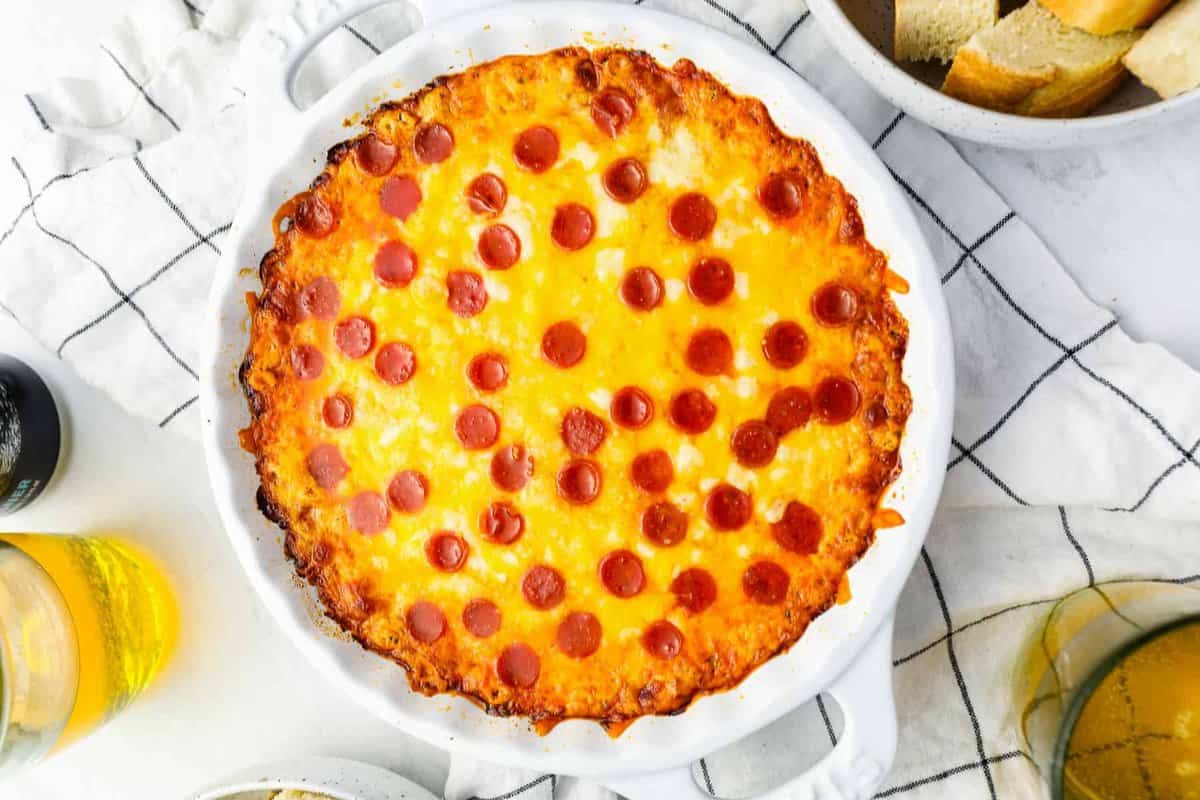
[{"x": 1124, "y": 219}]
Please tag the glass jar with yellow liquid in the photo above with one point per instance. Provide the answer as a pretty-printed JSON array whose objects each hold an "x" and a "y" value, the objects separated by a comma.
[
  {"x": 85, "y": 625},
  {"x": 1109, "y": 692}
]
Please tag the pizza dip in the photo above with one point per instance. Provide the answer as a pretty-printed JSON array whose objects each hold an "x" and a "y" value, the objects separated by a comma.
[{"x": 575, "y": 385}]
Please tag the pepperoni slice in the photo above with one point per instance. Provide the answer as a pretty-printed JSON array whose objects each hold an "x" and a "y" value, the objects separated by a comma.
[
  {"x": 477, "y": 427},
  {"x": 518, "y": 666},
  {"x": 543, "y": 587},
  {"x": 799, "y": 529},
  {"x": 367, "y": 512},
  {"x": 612, "y": 110},
  {"x": 694, "y": 589},
  {"x": 579, "y": 634},
  {"x": 481, "y": 618},
  {"x": 502, "y": 523},
  {"x": 426, "y": 622},
  {"x": 579, "y": 481},
  {"x": 573, "y": 226},
  {"x": 433, "y": 143},
  {"x": 536, "y": 148},
  {"x": 487, "y": 194},
  {"x": 563, "y": 344},
  {"x": 374, "y": 155},
  {"x": 499, "y": 247},
  {"x": 314, "y": 216},
  {"x": 407, "y": 491},
  {"x": 395, "y": 264},
  {"x": 836, "y": 399},
  {"x": 622, "y": 574},
  {"x": 641, "y": 288},
  {"x": 631, "y": 408},
  {"x": 307, "y": 362},
  {"x": 709, "y": 352},
  {"x": 447, "y": 551},
  {"x": 488, "y": 372},
  {"x": 692, "y": 412},
  {"x": 400, "y": 196},
  {"x": 625, "y": 180},
  {"x": 337, "y": 411},
  {"x": 692, "y": 217},
  {"x": 512, "y": 467},
  {"x": 582, "y": 431},
  {"x": 395, "y": 363},
  {"x": 789, "y": 408},
  {"x": 664, "y": 524},
  {"x": 326, "y": 465},
  {"x": 711, "y": 280},
  {"x": 834, "y": 305},
  {"x": 466, "y": 295},
  {"x": 766, "y": 583},
  {"x": 753, "y": 443},
  {"x": 782, "y": 194},
  {"x": 652, "y": 471},
  {"x": 662, "y": 640},
  {"x": 728, "y": 507},
  {"x": 321, "y": 298},
  {"x": 785, "y": 344},
  {"x": 355, "y": 336}
]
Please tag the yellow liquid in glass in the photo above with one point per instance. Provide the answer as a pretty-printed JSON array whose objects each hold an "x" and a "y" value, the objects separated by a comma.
[
  {"x": 1138, "y": 735},
  {"x": 124, "y": 618}
]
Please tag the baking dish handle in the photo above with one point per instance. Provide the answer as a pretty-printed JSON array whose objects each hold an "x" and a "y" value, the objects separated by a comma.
[
  {"x": 275, "y": 50},
  {"x": 855, "y": 767}
]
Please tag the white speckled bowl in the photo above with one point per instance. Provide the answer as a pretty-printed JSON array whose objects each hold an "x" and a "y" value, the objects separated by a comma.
[
  {"x": 861, "y": 30},
  {"x": 338, "y": 778}
]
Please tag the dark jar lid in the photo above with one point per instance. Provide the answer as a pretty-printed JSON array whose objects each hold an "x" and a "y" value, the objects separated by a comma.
[{"x": 30, "y": 435}]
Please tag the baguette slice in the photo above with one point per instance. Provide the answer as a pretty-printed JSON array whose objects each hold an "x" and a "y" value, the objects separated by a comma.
[
  {"x": 934, "y": 29},
  {"x": 1167, "y": 58},
  {"x": 1103, "y": 17},
  {"x": 1030, "y": 63}
]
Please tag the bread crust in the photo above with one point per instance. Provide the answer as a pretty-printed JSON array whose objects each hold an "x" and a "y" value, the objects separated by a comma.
[
  {"x": 1103, "y": 17},
  {"x": 1074, "y": 99},
  {"x": 366, "y": 583},
  {"x": 976, "y": 79}
]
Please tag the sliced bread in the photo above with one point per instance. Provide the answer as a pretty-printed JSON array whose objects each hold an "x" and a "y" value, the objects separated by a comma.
[
  {"x": 1103, "y": 17},
  {"x": 1031, "y": 63},
  {"x": 1167, "y": 58},
  {"x": 934, "y": 29}
]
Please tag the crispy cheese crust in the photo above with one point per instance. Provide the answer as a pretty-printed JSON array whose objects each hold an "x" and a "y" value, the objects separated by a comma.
[{"x": 794, "y": 242}]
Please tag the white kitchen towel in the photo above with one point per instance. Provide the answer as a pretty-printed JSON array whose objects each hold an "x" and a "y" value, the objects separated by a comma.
[{"x": 123, "y": 182}]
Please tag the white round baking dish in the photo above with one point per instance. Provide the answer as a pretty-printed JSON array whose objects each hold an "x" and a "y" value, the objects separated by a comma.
[
  {"x": 980, "y": 124},
  {"x": 337, "y": 778},
  {"x": 846, "y": 652}
]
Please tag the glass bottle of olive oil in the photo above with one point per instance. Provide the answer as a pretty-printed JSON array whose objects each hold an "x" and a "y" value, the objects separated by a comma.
[{"x": 85, "y": 625}]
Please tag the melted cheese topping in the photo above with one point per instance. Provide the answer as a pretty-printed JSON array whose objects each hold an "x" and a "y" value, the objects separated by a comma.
[{"x": 692, "y": 136}]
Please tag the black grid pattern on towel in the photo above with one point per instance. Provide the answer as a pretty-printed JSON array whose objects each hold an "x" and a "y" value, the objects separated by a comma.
[{"x": 123, "y": 298}]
